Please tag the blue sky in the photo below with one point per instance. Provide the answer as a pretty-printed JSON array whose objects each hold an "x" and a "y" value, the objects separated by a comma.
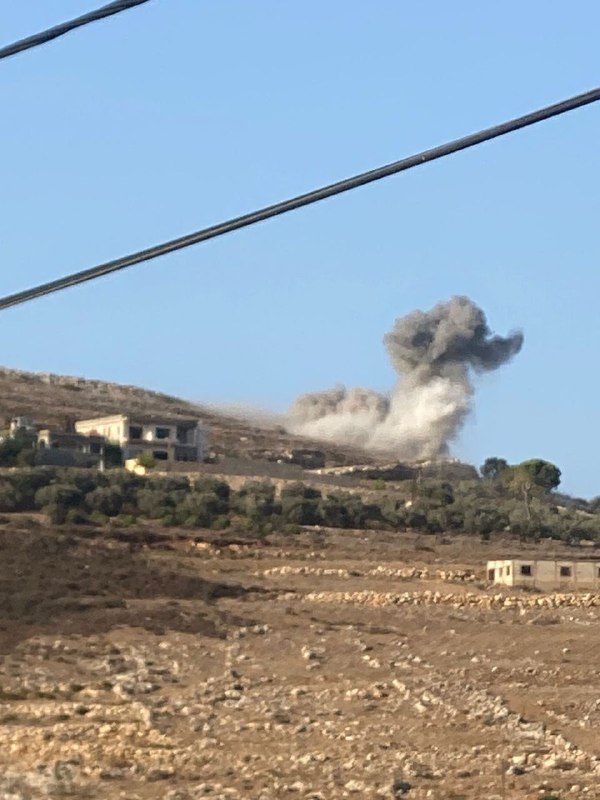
[{"x": 181, "y": 113}]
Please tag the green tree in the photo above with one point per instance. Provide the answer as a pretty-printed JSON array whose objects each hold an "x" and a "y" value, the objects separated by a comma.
[
  {"x": 493, "y": 468},
  {"x": 531, "y": 478},
  {"x": 543, "y": 473},
  {"x": 484, "y": 521},
  {"x": 18, "y": 450},
  {"x": 300, "y": 511}
]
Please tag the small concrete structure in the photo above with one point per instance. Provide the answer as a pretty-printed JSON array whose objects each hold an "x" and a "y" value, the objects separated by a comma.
[{"x": 556, "y": 574}]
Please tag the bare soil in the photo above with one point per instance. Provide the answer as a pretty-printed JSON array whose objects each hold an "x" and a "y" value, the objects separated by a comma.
[{"x": 141, "y": 663}]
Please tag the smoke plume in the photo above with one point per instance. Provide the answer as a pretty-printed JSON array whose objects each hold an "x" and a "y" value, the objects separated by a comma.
[{"x": 435, "y": 353}]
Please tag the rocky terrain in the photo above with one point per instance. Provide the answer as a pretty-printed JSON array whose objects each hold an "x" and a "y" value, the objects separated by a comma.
[
  {"x": 51, "y": 400},
  {"x": 144, "y": 664}
]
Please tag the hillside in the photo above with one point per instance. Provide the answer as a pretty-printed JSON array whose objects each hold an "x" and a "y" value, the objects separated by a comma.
[
  {"x": 51, "y": 399},
  {"x": 154, "y": 665}
]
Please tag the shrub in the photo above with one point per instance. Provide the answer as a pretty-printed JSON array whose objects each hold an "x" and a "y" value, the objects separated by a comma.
[
  {"x": 437, "y": 493},
  {"x": 298, "y": 511},
  {"x": 153, "y": 504},
  {"x": 146, "y": 460},
  {"x": 256, "y": 500},
  {"x": 128, "y": 483},
  {"x": 75, "y": 516},
  {"x": 343, "y": 510},
  {"x": 126, "y": 519},
  {"x": 10, "y": 499},
  {"x": 17, "y": 450},
  {"x": 207, "y": 484},
  {"x": 59, "y": 494},
  {"x": 26, "y": 482},
  {"x": 57, "y": 514},
  {"x": 299, "y": 489},
  {"x": 220, "y": 523},
  {"x": 107, "y": 501},
  {"x": 99, "y": 518},
  {"x": 86, "y": 480},
  {"x": 175, "y": 483},
  {"x": 198, "y": 509}
]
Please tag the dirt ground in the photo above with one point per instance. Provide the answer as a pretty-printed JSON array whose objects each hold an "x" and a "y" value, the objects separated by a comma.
[{"x": 153, "y": 664}]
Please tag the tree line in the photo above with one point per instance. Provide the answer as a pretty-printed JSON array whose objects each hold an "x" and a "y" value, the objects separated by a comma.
[{"x": 518, "y": 499}]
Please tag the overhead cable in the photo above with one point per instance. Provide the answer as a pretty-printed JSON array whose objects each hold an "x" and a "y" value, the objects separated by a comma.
[
  {"x": 65, "y": 27},
  {"x": 301, "y": 200}
]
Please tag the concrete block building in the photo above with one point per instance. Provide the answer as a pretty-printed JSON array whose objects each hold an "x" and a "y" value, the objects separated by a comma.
[
  {"x": 167, "y": 439},
  {"x": 65, "y": 449},
  {"x": 546, "y": 574}
]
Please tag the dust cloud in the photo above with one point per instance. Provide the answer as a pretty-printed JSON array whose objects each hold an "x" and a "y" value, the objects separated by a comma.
[{"x": 436, "y": 355}]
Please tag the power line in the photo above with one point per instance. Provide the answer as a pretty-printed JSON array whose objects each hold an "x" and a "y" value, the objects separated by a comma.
[
  {"x": 302, "y": 200},
  {"x": 65, "y": 27}
]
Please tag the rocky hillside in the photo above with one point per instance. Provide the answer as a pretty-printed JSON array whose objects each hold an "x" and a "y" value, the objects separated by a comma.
[{"x": 53, "y": 399}]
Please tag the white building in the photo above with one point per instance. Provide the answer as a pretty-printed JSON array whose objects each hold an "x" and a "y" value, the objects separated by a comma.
[
  {"x": 168, "y": 439},
  {"x": 561, "y": 574}
]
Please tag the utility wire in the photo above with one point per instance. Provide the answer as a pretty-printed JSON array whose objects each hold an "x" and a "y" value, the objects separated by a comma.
[
  {"x": 302, "y": 200},
  {"x": 65, "y": 27}
]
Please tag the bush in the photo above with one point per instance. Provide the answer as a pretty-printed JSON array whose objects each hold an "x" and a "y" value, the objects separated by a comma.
[
  {"x": 198, "y": 509},
  {"x": 220, "y": 523},
  {"x": 298, "y": 511},
  {"x": 26, "y": 483},
  {"x": 107, "y": 501},
  {"x": 256, "y": 500},
  {"x": 126, "y": 519},
  {"x": 57, "y": 514},
  {"x": 298, "y": 489},
  {"x": 10, "y": 499},
  {"x": 146, "y": 460},
  {"x": 18, "y": 450},
  {"x": 98, "y": 517},
  {"x": 220, "y": 488},
  {"x": 153, "y": 504},
  {"x": 75, "y": 516},
  {"x": 59, "y": 494},
  {"x": 128, "y": 483},
  {"x": 175, "y": 483},
  {"x": 336, "y": 513},
  {"x": 86, "y": 480}
]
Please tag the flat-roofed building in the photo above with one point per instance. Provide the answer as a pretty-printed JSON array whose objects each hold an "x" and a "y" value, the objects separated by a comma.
[
  {"x": 168, "y": 439},
  {"x": 548, "y": 574},
  {"x": 68, "y": 449}
]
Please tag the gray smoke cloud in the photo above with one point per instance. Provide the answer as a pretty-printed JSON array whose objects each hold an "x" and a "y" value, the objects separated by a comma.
[{"x": 435, "y": 353}]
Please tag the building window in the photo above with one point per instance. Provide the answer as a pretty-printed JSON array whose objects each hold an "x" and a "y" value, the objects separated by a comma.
[
  {"x": 526, "y": 569},
  {"x": 491, "y": 573},
  {"x": 161, "y": 455},
  {"x": 565, "y": 572},
  {"x": 500, "y": 571},
  {"x": 182, "y": 434},
  {"x": 135, "y": 431},
  {"x": 163, "y": 433},
  {"x": 95, "y": 448},
  {"x": 507, "y": 571}
]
